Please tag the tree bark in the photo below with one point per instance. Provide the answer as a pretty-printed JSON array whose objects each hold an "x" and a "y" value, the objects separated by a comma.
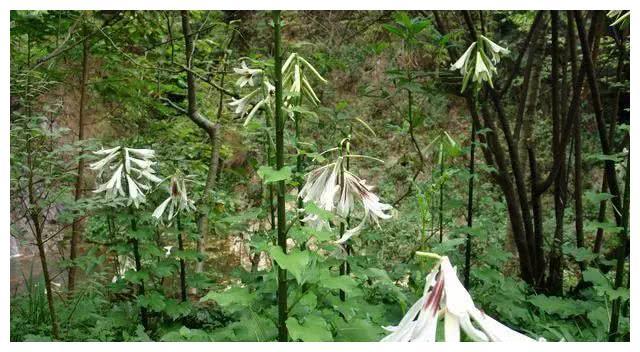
[
  {"x": 76, "y": 228},
  {"x": 211, "y": 128}
]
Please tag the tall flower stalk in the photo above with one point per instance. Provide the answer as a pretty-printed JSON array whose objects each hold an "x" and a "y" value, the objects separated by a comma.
[
  {"x": 281, "y": 216},
  {"x": 177, "y": 204},
  {"x": 129, "y": 173}
]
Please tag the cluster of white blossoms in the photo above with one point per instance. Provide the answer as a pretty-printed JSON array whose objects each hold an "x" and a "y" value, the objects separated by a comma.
[
  {"x": 177, "y": 202},
  {"x": 476, "y": 65},
  {"x": 124, "y": 264},
  {"x": 445, "y": 297},
  {"x": 334, "y": 189},
  {"x": 135, "y": 166},
  {"x": 295, "y": 82}
]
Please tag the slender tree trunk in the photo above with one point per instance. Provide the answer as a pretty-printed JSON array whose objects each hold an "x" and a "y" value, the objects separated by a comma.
[
  {"x": 280, "y": 189},
  {"x": 76, "y": 227},
  {"x": 47, "y": 280},
  {"x": 212, "y": 129},
  {"x": 34, "y": 214},
  {"x": 578, "y": 188},
  {"x": 556, "y": 266},
  {"x": 203, "y": 220},
  {"x": 612, "y": 178},
  {"x": 621, "y": 256}
]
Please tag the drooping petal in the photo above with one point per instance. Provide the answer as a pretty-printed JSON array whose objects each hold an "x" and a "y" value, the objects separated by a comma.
[
  {"x": 497, "y": 331},
  {"x": 107, "y": 151},
  {"x": 160, "y": 209},
  {"x": 451, "y": 327},
  {"x": 462, "y": 62},
  {"x": 100, "y": 164}
]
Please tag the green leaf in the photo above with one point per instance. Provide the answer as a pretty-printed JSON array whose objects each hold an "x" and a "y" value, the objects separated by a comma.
[
  {"x": 234, "y": 299},
  {"x": 313, "y": 329},
  {"x": 447, "y": 246},
  {"x": 563, "y": 307},
  {"x": 312, "y": 208},
  {"x": 176, "y": 309},
  {"x": 136, "y": 277},
  {"x": 302, "y": 234},
  {"x": 305, "y": 305},
  {"x": 269, "y": 175},
  {"x": 581, "y": 254},
  {"x": 343, "y": 282},
  {"x": 594, "y": 276},
  {"x": 152, "y": 300},
  {"x": 295, "y": 262},
  {"x": 596, "y": 198},
  {"x": 187, "y": 335},
  {"x": 254, "y": 328},
  {"x": 606, "y": 226},
  {"x": 358, "y": 330}
]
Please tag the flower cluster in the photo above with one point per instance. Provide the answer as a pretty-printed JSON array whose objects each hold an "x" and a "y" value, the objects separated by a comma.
[
  {"x": 135, "y": 166},
  {"x": 177, "y": 202},
  {"x": 295, "y": 81},
  {"x": 445, "y": 297},
  {"x": 124, "y": 264},
  {"x": 334, "y": 189},
  {"x": 476, "y": 65}
]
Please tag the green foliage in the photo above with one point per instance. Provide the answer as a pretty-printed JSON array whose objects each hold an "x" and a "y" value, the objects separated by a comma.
[{"x": 390, "y": 91}]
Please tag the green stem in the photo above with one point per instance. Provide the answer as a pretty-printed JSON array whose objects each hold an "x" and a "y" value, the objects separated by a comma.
[
  {"x": 441, "y": 190},
  {"x": 183, "y": 272},
  {"x": 136, "y": 256},
  {"x": 281, "y": 215},
  {"x": 467, "y": 254}
]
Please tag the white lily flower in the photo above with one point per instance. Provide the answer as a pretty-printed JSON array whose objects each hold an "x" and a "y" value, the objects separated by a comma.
[
  {"x": 242, "y": 105},
  {"x": 107, "y": 151},
  {"x": 475, "y": 65},
  {"x": 495, "y": 49},
  {"x": 177, "y": 202},
  {"x": 334, "y": 189},
  {"x": 247, "y": 75},
  {"x": 255, "y": 109},
  {"x": 167, "y": 250},
  {"x": 125, "y": 264},
  {"x": 137, "y": 171},
  {"x": 296, "y": 80},
  {"x": 463, "y": 61},
  {"x": 445, "y": 297},
  {"x": 320, "y": 188},
  {"x": 482, "y": 72}
]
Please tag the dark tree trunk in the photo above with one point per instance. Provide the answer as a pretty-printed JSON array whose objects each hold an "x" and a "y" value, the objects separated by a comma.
[{"x": 76, "y": 227}]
